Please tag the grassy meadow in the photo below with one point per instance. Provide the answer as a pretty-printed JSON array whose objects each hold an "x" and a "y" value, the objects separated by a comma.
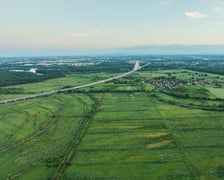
[{"x": 126, "y": 129}]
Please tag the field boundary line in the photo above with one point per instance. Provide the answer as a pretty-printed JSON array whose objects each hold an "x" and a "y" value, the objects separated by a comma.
[
  {"x": 194, "y": 172},
  {"x": 75, "y": 143}
]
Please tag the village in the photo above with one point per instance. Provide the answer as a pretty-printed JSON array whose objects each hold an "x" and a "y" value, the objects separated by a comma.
[{"x": 174, "y": 83}]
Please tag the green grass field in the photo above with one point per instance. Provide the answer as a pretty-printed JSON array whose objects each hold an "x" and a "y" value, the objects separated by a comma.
[
  {"x": 138, "y": 137},
  {"x": 218, "y": 92},
  {"x": 59, "y": 83},
  {"x": 121, "y": 130}
]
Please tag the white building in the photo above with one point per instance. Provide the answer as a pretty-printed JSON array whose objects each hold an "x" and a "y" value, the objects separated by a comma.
[{"x": 33, "y": 70}]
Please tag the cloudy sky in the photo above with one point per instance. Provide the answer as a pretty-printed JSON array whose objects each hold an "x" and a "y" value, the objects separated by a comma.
[{"x": 42, "y": 27}]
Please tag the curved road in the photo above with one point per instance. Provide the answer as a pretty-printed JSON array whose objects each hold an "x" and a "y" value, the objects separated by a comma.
[{"x": 136, "y": 68}]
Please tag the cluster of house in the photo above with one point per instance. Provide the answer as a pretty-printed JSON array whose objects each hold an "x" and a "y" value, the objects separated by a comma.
[{"x": 173, "y": 83}]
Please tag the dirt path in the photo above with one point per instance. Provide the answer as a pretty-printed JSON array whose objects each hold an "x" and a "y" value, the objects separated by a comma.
[{"x": 76, "y": 141}]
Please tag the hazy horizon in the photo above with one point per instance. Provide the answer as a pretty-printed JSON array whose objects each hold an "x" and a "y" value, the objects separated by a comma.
[
  {"x": 71, "y": 27},
  {"x": 136, "y": 50}
]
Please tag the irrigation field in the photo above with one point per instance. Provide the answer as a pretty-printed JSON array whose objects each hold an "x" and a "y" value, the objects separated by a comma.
[{"x": 112, "y": 131}]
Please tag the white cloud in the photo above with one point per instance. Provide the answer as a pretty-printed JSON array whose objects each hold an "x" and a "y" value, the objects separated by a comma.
[
  {"x": 195, "y": 15},
  {"x": 80, "y": 35},
  {"x": 217, "y": 9}
]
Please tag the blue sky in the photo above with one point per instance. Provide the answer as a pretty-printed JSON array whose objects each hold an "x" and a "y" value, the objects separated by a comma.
[{"x": 65, "y": 26}]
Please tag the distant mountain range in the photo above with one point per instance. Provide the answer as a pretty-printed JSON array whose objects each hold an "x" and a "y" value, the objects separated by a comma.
[{"x": 173, "y": 49}]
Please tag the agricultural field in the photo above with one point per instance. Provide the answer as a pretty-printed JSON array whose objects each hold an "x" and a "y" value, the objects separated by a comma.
[
  {"x": 35, "y": 134},
  {"x": 164, "y": 124}
]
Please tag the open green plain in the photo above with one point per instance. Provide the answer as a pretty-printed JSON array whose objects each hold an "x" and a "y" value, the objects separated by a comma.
[{"x": 121, "y": 130}]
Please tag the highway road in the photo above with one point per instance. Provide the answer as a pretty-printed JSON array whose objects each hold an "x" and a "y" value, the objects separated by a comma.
[{"x": 136, "y": 68}]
